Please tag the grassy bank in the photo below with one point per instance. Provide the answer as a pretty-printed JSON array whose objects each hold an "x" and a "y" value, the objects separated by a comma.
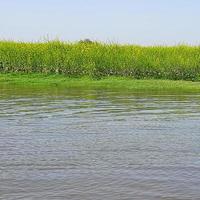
[
  {"x": 97, "y": 60},
  {"x": 106, "y": 83}
]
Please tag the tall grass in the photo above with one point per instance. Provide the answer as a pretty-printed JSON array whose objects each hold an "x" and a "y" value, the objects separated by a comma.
[{"x": 99, "y": 60}]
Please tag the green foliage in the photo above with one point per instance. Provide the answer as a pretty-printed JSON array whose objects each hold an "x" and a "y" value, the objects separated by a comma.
[{"x": 98, "y": 60}]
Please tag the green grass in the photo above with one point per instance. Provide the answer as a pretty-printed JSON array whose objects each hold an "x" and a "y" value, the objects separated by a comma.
[
  {"x": 96, "y": 60},
  {"x": 106, "y": 83}
]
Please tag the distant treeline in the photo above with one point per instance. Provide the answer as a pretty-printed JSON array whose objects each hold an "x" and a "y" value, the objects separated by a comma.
[{"x": 88, "y": 58}]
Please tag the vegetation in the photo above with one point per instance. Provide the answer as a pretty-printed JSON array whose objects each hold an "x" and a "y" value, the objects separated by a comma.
[
  {"x": 96, "y": 60},
  {"x": 161, "y": 86}
]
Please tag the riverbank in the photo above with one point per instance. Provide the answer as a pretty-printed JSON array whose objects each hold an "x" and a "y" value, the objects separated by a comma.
[
  {"x": 99, "y": 60},
  {"x": 105, "y": 83}
]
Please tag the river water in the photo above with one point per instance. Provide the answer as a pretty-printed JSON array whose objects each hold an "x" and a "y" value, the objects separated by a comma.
[{"x": 73, "y": 144}]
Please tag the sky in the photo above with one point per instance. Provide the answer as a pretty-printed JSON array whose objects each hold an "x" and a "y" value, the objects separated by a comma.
[{"x": 143, "y": 22}]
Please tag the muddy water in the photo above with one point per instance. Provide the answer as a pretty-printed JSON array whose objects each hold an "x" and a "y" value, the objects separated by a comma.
[{"x": 98, "y": 144}]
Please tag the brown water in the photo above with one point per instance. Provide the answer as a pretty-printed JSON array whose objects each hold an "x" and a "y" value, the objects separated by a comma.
[{"x": 96, "y": 145}]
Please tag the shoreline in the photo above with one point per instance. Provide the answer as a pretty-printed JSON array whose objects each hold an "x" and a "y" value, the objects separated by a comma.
[{"x": 135, "y": 85}]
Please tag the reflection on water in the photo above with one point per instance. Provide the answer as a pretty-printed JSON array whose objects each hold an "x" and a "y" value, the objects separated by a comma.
[{"x": 93, "y": 144}]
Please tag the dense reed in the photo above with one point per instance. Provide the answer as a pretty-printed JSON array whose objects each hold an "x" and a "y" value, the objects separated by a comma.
[{"x": 98, "y": 60}]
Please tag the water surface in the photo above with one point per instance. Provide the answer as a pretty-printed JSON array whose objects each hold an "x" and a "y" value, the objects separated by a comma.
[{"x": 58, "y": 143}]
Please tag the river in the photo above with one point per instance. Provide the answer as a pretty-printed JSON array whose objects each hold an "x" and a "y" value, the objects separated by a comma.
[{"x": 88, "y": 144}]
